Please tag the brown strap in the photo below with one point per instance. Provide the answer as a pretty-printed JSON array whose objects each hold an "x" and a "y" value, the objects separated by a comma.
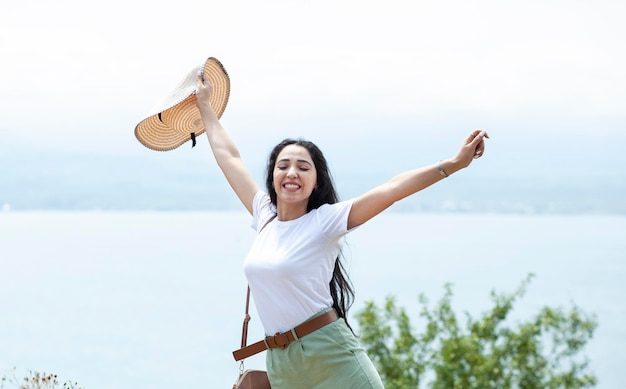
[
  {"x": 281, "y": 340},
  {"x": 246, "y": 318},
  {"x": 249, "y": 351}
]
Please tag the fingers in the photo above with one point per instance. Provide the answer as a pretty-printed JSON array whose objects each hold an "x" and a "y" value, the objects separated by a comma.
[
  {"x": 478, "y": 143},
  {"x": 202, "y": 84},
  {"x": 200, "y": 78},
  {"x": 479, "y": 150},
  {"x": 199, "y": 82},
  {"x": 477, "y": 133}
]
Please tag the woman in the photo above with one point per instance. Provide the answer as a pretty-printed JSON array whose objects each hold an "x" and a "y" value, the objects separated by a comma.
[{"x": 293, "y": 267}]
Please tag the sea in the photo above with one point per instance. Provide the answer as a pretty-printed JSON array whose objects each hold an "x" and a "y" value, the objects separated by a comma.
[{"x": 131, "y": 300}]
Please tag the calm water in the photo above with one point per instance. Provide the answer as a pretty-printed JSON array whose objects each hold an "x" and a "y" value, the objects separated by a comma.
[{"x": 155, "y": 300}]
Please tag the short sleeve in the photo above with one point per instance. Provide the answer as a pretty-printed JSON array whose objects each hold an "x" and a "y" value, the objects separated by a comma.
[
  {"x": 262, "y": 210},
  {"x": 333, "y": 218}
]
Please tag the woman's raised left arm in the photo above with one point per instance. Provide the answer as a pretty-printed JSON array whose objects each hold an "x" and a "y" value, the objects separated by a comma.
[{"x": 405, "y": 184}]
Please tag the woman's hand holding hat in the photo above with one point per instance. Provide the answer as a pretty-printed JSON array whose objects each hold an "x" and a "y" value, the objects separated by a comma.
[{"x": 176, "y": 120}]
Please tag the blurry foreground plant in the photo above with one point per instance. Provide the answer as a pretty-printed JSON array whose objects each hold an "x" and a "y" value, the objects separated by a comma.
[
  {"x": 36, "y": 380},
  {"x": 541, "y": 353}
]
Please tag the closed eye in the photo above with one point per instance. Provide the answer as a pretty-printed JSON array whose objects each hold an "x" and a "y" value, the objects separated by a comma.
[{"x": 302, "y": 164}]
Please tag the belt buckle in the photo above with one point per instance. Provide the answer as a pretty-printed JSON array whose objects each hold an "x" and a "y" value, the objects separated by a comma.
[{"x": 281, "y": 340}]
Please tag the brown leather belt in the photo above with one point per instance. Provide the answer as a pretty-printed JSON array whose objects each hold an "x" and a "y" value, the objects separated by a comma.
[{"x": 281, "y": 340}]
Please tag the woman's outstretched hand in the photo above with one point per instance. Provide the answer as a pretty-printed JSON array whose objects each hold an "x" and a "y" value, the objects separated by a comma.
[{"x": 473, "y": 147}]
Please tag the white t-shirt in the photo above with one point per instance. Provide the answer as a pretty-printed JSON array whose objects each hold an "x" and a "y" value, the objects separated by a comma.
[{"x": 291, "y": 263}]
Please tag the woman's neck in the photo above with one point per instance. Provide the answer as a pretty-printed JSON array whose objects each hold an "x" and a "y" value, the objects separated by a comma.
[{"x": 286, "y": 211}]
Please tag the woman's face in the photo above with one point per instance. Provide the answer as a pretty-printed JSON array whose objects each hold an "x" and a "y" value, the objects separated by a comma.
[{"x": 294, "y": 175}]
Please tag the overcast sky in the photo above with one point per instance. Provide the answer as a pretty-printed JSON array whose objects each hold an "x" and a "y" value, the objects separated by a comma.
[{"x": 72, "y": 69}]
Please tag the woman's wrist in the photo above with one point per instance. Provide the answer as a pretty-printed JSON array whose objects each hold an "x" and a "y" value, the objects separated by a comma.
[
  {"x": 447, "y": 167},
  {"x": 206, "y": 110}
]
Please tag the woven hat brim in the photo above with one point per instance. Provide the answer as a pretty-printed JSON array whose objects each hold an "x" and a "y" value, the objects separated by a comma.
[{"x": 176, "y": 119}]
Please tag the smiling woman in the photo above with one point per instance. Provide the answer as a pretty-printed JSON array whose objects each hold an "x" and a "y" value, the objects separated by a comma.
[
  {"x": 294, "y": 177},
  {"x": 294, "y": 268}
]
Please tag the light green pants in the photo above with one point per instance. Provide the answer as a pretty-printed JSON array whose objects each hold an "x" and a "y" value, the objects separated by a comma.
[{"x": 329, "y": 358}]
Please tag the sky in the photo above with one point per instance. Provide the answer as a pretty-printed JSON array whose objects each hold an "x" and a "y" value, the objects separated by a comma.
[{"x": 78, "y": 74}]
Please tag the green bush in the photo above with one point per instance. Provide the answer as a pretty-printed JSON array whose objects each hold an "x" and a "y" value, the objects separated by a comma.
[{"x": 543, "y": 352}]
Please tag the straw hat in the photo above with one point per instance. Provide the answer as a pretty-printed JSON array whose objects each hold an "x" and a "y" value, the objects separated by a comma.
[{"x": 176, "y": 119}]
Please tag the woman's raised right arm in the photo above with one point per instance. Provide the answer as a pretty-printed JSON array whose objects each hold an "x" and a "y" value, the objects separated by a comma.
[{"x": 224, "y": 149}]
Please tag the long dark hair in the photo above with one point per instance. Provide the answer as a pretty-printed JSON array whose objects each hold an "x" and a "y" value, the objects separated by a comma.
[{"x": 341, "y": 288}]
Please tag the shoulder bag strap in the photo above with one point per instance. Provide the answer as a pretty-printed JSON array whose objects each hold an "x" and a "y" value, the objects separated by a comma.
[{"x": 246, "y": 318}]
